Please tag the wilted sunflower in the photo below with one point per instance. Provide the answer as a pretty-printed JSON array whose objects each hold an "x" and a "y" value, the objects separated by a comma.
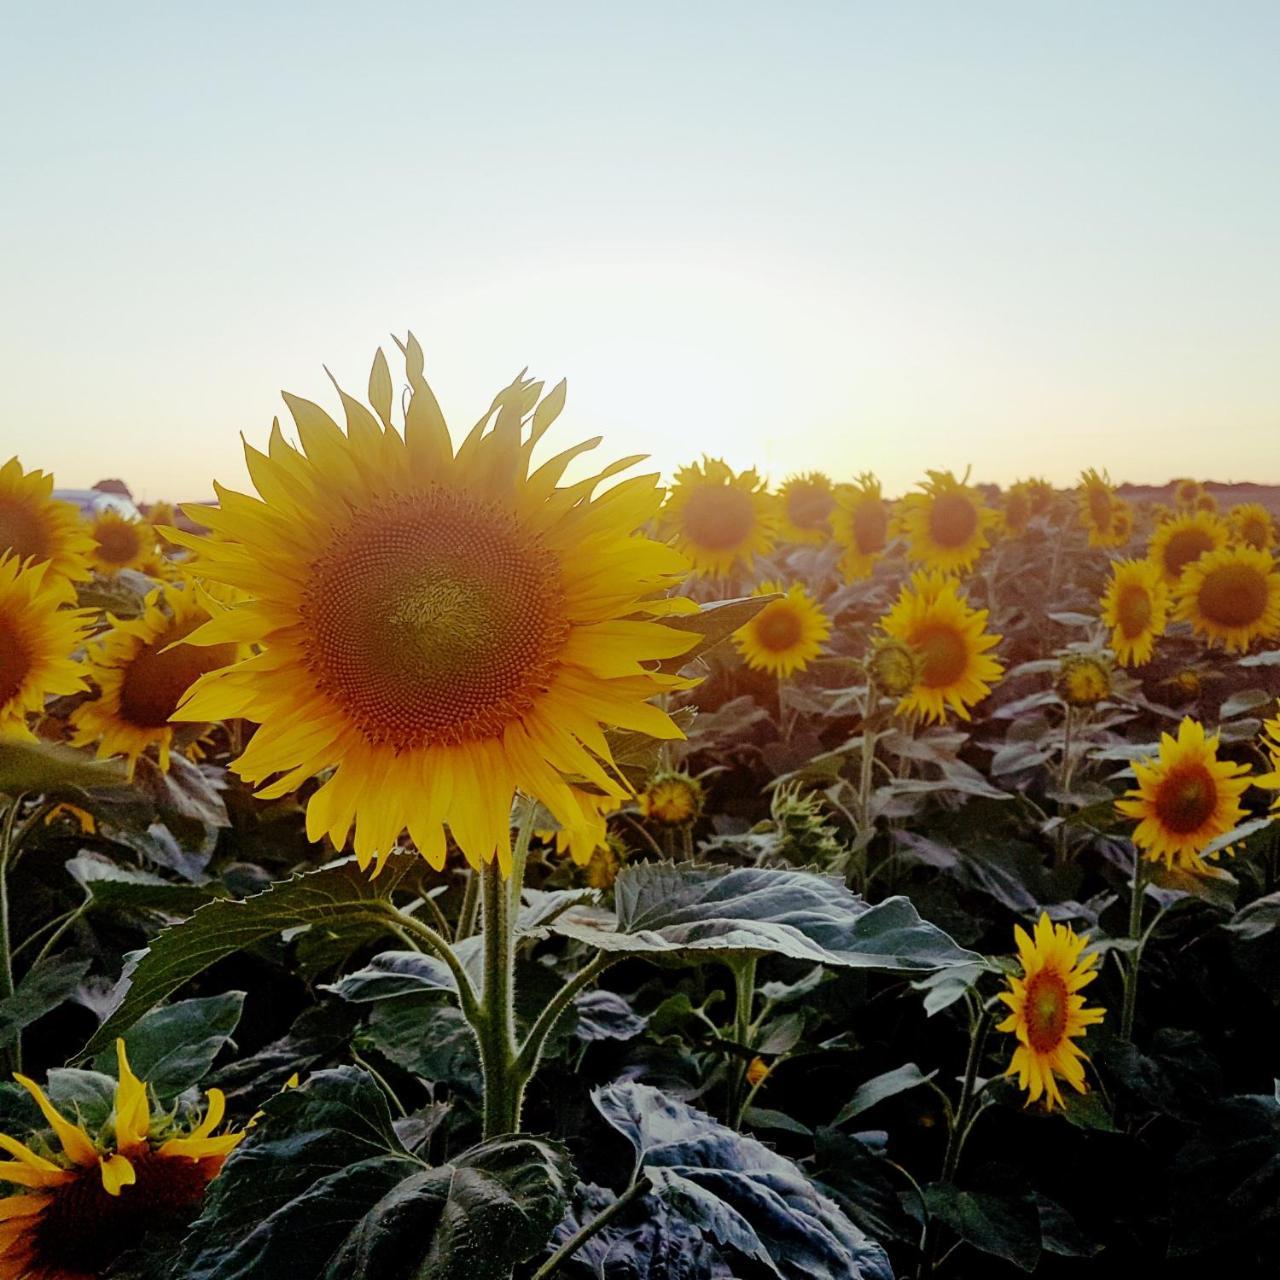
[
  {"x": 805, "y": 507},
  {"x": 1186, "y": 799},
  {"x": 860, "y": 524},
  {"x": 86, "y": 1202},
  {"x": 1098, "y": 505},
  {"x": 947, "y": 524},
  {"x": 1047, "y": 1011},
  {"x": 1253, "y": 525},
  {"x": 1083, "y": 680},
  {"x": 1231, "y": 597},
  {"x": 439, "y": 628},
  {"x": 1186, "y": 492},
  {"x": 1135, "y": 606},
  {"x": 1182, "y": 540},
  {"x": 142, "y": 670},
  {"x": 119, "y": 543},
  {"x": 950, "y": 639},
  {"x": 786, "y": 635},
  {"x": 672, "y": 799},
  {"x": 36, "y": 527},
  {"x": 38, "y": 637},
  {"x": 718, "y": 519}
]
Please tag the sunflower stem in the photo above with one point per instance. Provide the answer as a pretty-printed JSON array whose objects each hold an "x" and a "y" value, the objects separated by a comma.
[
  {"x": 744, "y": 980},
  {"x": 12, "y": 1054},
  {"x": 470, "y": 906},
  {"x": 1135, "y": 958}
]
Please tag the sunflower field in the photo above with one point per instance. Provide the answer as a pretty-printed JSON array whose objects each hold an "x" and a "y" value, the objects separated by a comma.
[{"x": 449, "y": 861}]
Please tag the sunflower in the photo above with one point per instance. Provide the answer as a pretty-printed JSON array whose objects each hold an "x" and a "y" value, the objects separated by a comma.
[
  {"x": 1183, "y": 539},
  {"x": 1040, "y": 495},
  {"x": 119, "y": 543},
  {"x": 1083, "y": 680},
  {"x": 1271, "y": 745},
  {"x": 1122, "y": 522},
  {"x": 1253, "y": 525},
  {"x": 1186, "y": 799},
  {"x": 605, "y": 862},
  {"x": 36, "y": 527},
  {"x": 719, "y": 520},
  {"x": 893, "y": 666},
  {"x": 806, "y": 504},
  {"x": 786, "y": 635},
  {"x": 1206, "y": 502},
  {"x": 37, "y": 639},
  {"x": 949, "y": 638},
  {"x": 589, "y": 832},
  {"x": 1231, "y": 597},
  {"x": 1016, "y": 513},
  {"x": 672, "y": 799},
  {"x": 1186, "y": 492},
  {"x": 1135, "y": 606},
  {"x": 947, "y": 524},
  {"x": 439, "y": 628},
  {"x": 1047, "y": 1012},
  {"x": 142, "y": 669},
  {"x": 1097, "y": 503},
  {"x": 159, "y": 514},
  {"x": 84, "y": 1202},
  {"x": 860, "y": 525}
]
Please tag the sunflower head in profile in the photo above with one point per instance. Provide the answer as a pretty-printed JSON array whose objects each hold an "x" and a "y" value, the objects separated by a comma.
[
  {"x": 1098, "y": 505},
  {"x": 1186, "y": 493},
  {"x": 1047, "y": 1013},
  {"x": 37, "y": 528},
  {"x": 805, "y": 505},
  {"x": 947, "y": 524},
  {"x": 1270, "y": 781},
  {"x": 951, "y": 642},
  {"x": 1041, "y": 495},
  {"x": 38, "y": 636},
  {"x": 1135, "y": 606},
  {"x": 119, "y": 543},
  {"x": 1231, "y": 597},
  {"x": 1185, "y": 799},
  {"x": 1182, "y": 540},
  {"x": 439, "y": 628},
  {"x": 142, "y": 669},
  {"x": 91, "y": 1189},
  {"x": 860, "y": 525},
  {"x": 719, "y": 520},
  {"x": 607, "y": 859},
  {"x": 1015, "y": 512},
  {"x": 1253, "y": 524},
  {"x": 1122, "y": 522},
  {"x": 1083, "y": 680},
  {"x": 893, "y": 666},
  {"x": 787, "y": 634},
  {"x": 1206, "y": 502},
  {"x": 673, "y": 798}
]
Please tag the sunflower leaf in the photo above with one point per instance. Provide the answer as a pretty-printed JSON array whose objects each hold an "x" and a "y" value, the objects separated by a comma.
[
  {"x": 49, "y": 768},
  {"x": 714, "y": 624}
]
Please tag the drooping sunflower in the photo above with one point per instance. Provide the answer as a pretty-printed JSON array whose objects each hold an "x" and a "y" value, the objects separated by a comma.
[
  {"x": 860, "y": 524},
  {"x": 673, "y": 798},
  {"x": 1122, "y": 522},
  {"x": 787, "y": 634},
  {"x": 1186, "y": 799},
  {"x": 1253, "y": 525},
  {"x": 119, "y": 543},
  {"x": 1135, "y": 606},
  {"x": 718, "y": 519},
  {"x": 142, "y": 669},
  {"x": 806, "y": 504},
  {"x": 947, "y": 524},
  {"x": 956, "y": 669},
  {"x": 1231, "y": 597},
  {"x": 36, "y": 527},
  {"x": 1097, "y": 503},
  {"x": 1182, "y": 540},
  {"x": 439, "y": 628},
  {"x": 38, "y": 636},
  {"x": 86, "y": 1200},
  {"x": 1047, "y": 1012}
]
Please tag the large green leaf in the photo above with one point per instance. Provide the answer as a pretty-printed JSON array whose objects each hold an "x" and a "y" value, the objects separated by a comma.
[
  {"x": 41, "y": 989},
  {"x": 999, "y": 1216},
  {"x": 51, "y": 769},
  {"x": 714, "y": 623}
]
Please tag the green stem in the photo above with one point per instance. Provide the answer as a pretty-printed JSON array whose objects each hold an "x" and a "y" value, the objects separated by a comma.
[
  {"x": 583, "y": 1234},
  {"x": 531, "y": 1051},
  {"x": 1135, "y": 958},
  {"x": 744, "y": 981},
  {"x": 470, "y": 906},
  {"x": 438, "y": 946},
  {"x": 1064, "y": 782},
  {"x": 12, "y": 1055}
]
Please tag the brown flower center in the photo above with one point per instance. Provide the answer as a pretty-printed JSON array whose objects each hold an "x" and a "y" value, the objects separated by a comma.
[
  {"x": 22, "y": 531},
  {"x": 1186, "y": 799},
  {"x": 1234, "y": 595},
  {"x": 1253, "y": 531},
  {"x": 156, "y": 676},
  {"x": 1017, "y": 511},
  {"x": 809, "y": 505},
  {"x": 719, "y": 517},
  {"x": 1134, "y": 610},
  {"x": 1046, "y": 1011},
  {"x": 1184, "y": 547},
  {"x": 15, "y": 660},
  {"x": 870, "y": 526},
  {"x": 779, "y": 626},
  {"x": 119, "y": 541},
  {"x": 953, "y": 520},
  {"x": 944, "y": 656}
]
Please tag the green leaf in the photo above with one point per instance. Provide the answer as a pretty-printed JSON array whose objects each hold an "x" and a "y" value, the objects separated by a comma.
[
  {"x": 714, "y": 623},
  {"x": 877, "y": 1089},
  {"x": 50, "y": 769},
  {"x": 112, "y": 887},
  {"x": 1002, "y": 1219},
  {"x": 1257, "y": 919},
  {"x": 406, "y": 973},
  {"x": 41, "y": 989}
]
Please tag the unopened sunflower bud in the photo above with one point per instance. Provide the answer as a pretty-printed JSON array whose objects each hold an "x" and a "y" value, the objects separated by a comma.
[
  {"x": 1083, "y": 681},
  {"x": 894, "y": 667},
  {"x": 672, "y": 799}
]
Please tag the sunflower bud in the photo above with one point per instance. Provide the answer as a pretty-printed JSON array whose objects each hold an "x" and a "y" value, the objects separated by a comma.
[
  {"x": 1083, "y": 681},
  {"x": 757, "y": 1072},
  {"x": 894, "y": 667},
  {"x": 672, "y": 799}
]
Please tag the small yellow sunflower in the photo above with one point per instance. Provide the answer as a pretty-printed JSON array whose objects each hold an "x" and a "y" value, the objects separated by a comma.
[
  {"x": 1016, "y": 512},
  {"x": 860, "y": 525},
  {"x": 1083, "y": 680},
  {"x": 1047, "y": 1012},
  {"x": 1097, "y": 503},
  {"x": 1186, "y": 493},
  {"x": 1135, "y": 606},
  {"x": 672, "y": 799},
  {"x": 786, "y": 635},
  {"x": 806, "y": 504},
  {"x": 36, "y": 527},
  {"x": 86, "y": 1201},
  {"x": 119, "y": 543},
  {"x": 1206, "y": 502},
  {"x": 950, "y": 639},
  {"x": 1186, "y": 799},
  {"x": 1253, "y": 525},
  {"x": 947, "y": 524},
  {"x": 1231, "y": 597},
  {"x": 142, "y": 670},
  {"x": 1182, "y": 540},
  {"x": 719, "y": 520},
  {"x": 38, "y": 636},
  {"x": 1185, "y": 685}
]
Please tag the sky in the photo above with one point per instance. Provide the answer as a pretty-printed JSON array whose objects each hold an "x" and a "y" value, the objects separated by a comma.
[{"x": 1025, "y": 238}]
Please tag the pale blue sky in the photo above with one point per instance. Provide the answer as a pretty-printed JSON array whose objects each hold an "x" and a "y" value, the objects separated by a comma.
[{"x": 1027, "y": 236}]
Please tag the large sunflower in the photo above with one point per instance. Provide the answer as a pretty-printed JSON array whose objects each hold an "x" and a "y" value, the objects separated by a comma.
[
  {"x": 1135, "y": 606},
  {"x": 1098, "y": 506},
  {"x": 36, "y": 527},
  {"x": 718, "y": 519},
  {"x": 119, "y": 543},
  {"x": 85, "y": 1202},
  {"x": 1182, "y": 540},
  {"x": 142, "y": 670},
  {"x": 1047, "y": 1012},
  {"x": 947, "y": 524},
  {"x": 38, "y": 636},
  {"x": 1231, "y": 597},
  {"x": 860, "y": 525},
  {"x": 1253, "y": 525},
  {"x": 439, "y": 628},
  {"x": 956, "y": 670},
  {"x": 786, "y": 635},
  {"x": 805, "y": 507},
  {"x": 1185, "y": 799}
]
